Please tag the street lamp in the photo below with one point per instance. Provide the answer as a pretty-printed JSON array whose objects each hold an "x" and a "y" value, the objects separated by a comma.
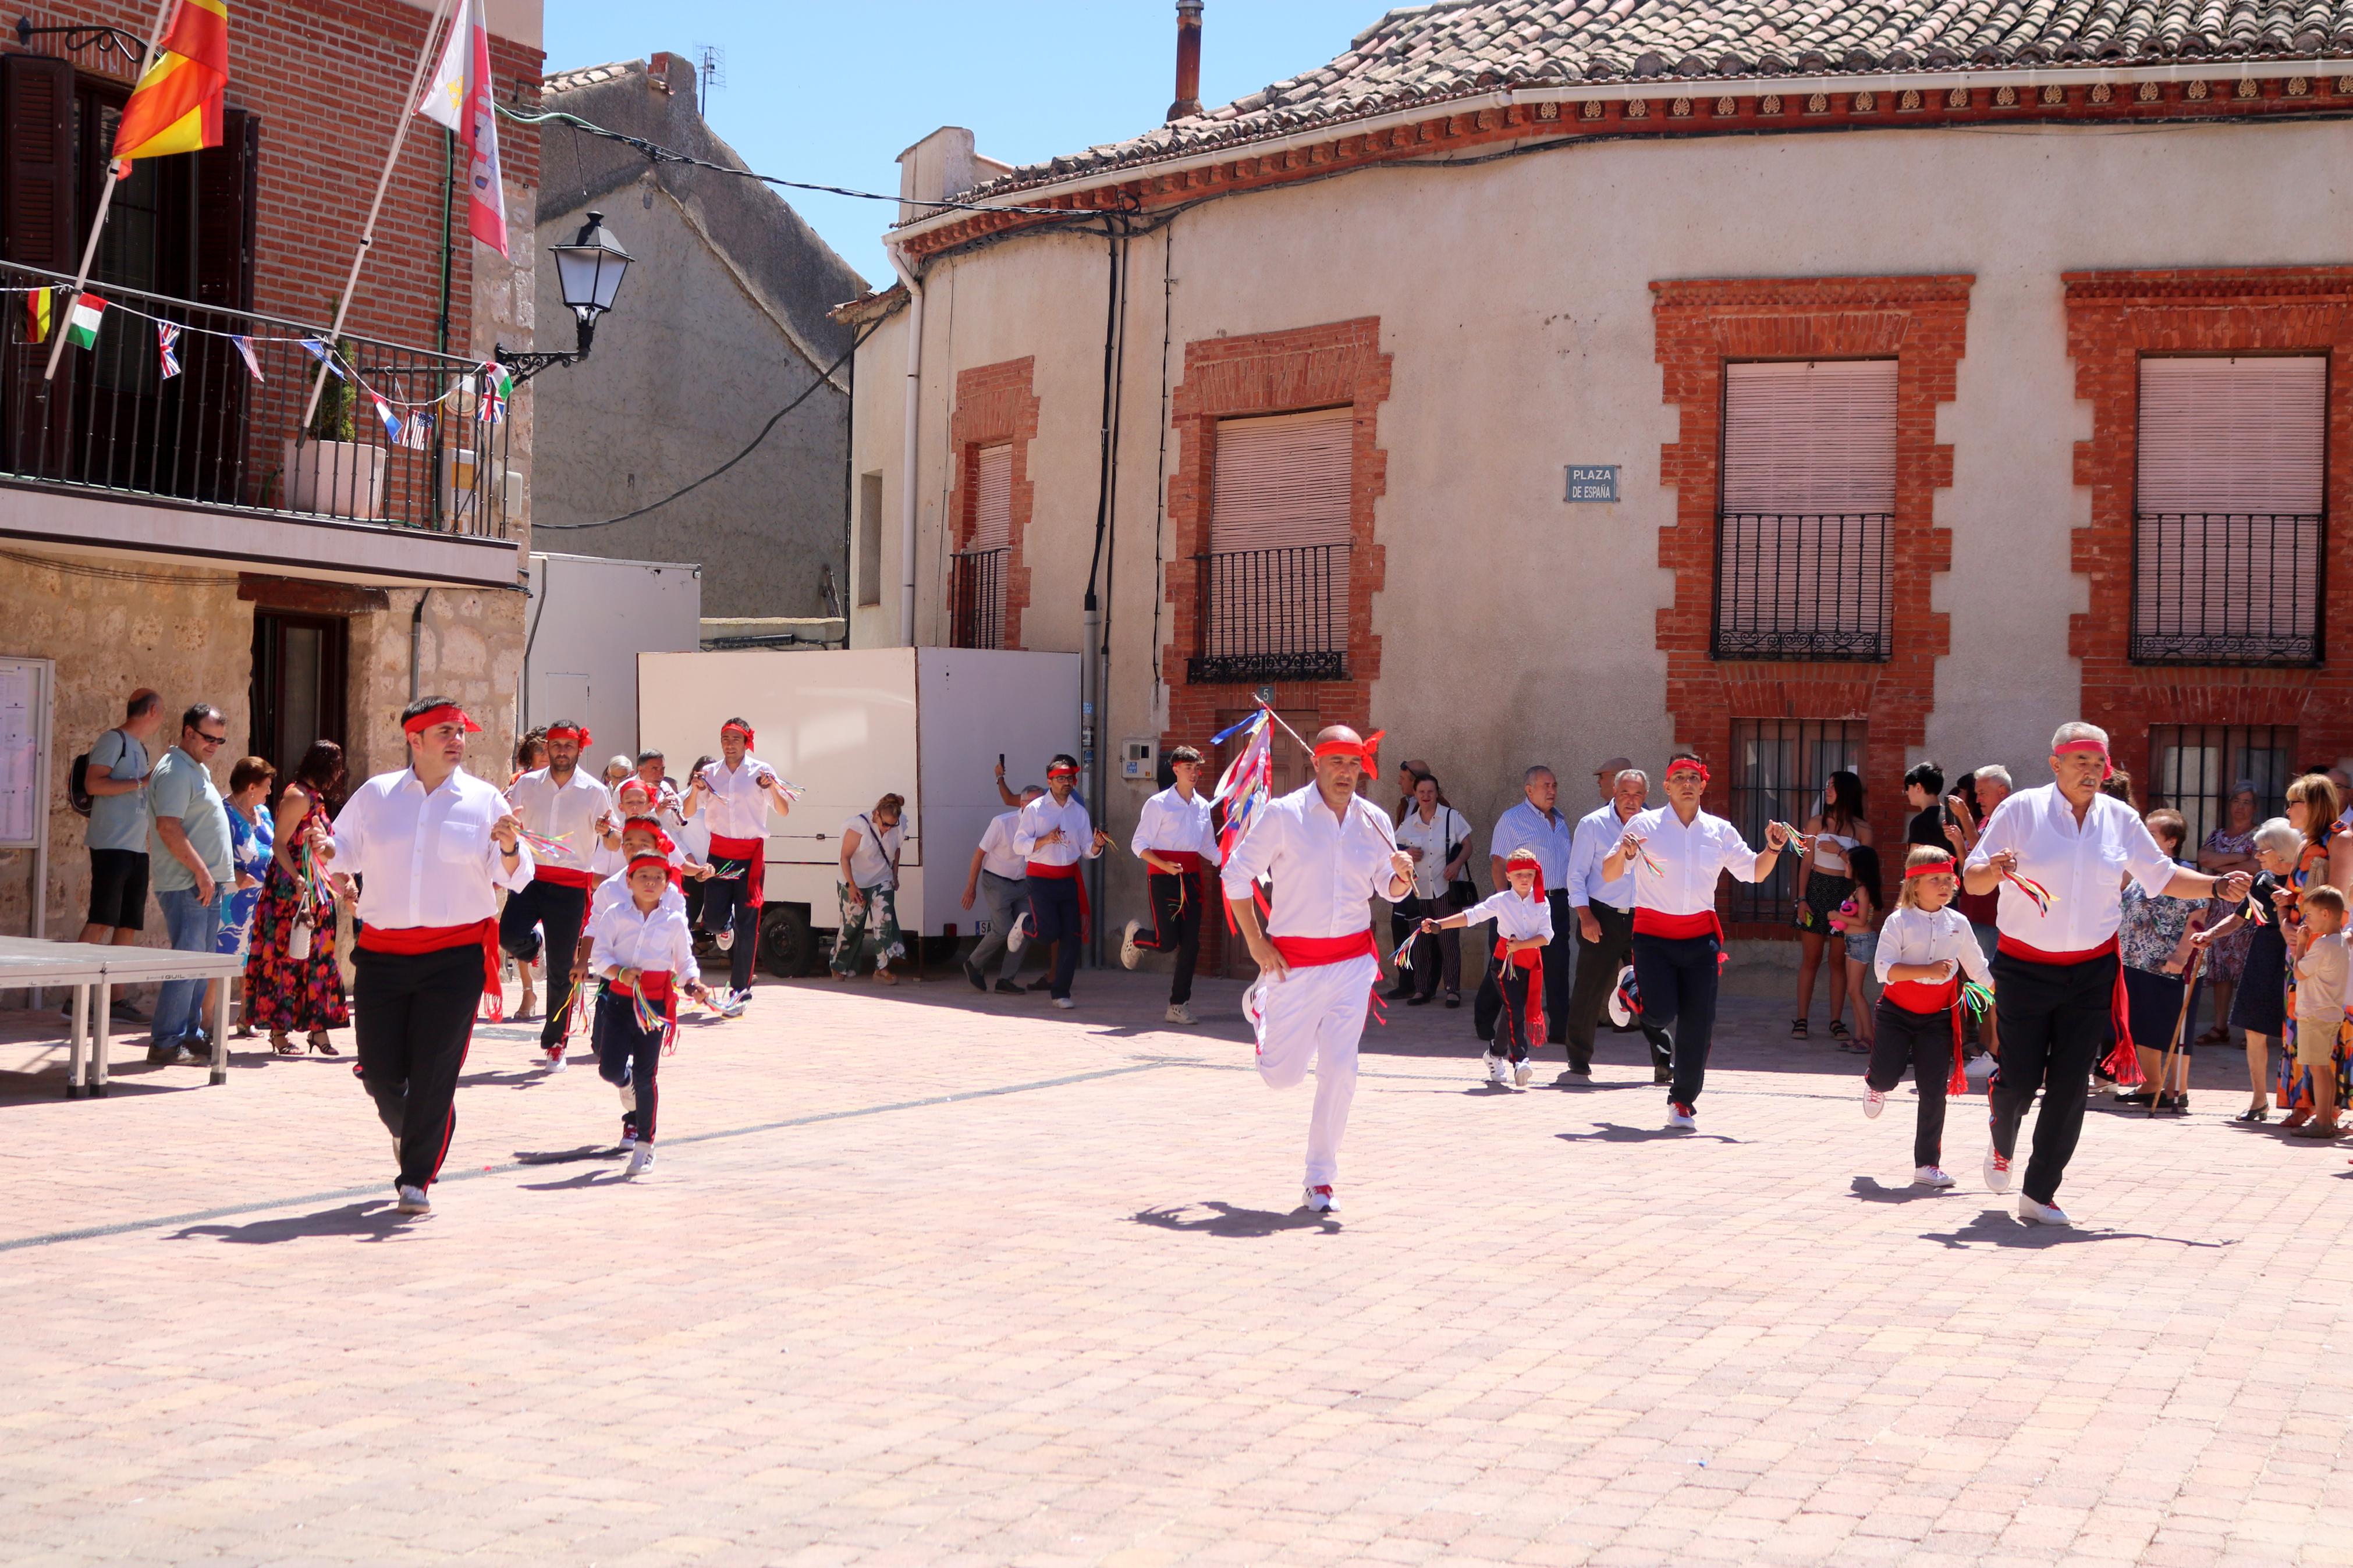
[{"x": 590, "y": 272}]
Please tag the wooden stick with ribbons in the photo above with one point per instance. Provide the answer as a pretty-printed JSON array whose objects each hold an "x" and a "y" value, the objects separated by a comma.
[{"x": 2181, "y": 1023}]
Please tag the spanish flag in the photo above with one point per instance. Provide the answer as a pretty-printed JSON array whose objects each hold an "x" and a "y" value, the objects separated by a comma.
[{"x": 176, "y": 107}]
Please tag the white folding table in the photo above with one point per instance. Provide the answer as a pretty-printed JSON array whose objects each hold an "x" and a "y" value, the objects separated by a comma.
[{"x": 28, "y": 962}]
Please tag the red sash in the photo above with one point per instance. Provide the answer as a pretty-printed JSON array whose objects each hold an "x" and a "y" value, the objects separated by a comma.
[
  {"x": 1656, "y": 922},
  {"x": 654, "y": 985},
  {"x": 2123, "y": 1062},
  {"x": 413, "y": 940},
  {"x": 1069, "y": 873},
  {"x": 1313, "y": 952},
  {"x": 566, "y": 877},
  {"x": 1919, "y": 996},
  {"x": 1188, "y": 863},
  {"x": 754, "y": 853},
  {"x": 1531, "y": 960}
]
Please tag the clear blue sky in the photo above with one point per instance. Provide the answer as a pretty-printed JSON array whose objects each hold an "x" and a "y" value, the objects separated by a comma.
[{"x": 820, "y": 90}]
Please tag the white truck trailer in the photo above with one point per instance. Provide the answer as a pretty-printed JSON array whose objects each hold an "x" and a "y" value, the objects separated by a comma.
[
  {"x": 589, "y": 619},
  {"x": 851, "y": 725}
]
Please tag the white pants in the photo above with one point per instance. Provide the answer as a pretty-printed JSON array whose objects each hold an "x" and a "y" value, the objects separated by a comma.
[{"x": 1315, "y": 1016}]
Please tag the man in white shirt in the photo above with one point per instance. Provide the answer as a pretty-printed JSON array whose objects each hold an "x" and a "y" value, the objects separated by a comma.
[
  {"x": 1605, "y": 923},
  {"x": 1536, "y": 825},
  {"x": 734, "y": 794},
  {"x": 2057, "y": 973},
  {"x": 427, "y": 848},
  {"x": 574, "y": 810},
  {"x": 1676, "y": 853},
  {"x": 1177, "y": 844},
  {"x": 1003, "y": 876},
  {"x": 1052, "y": 836},
  {"x": 1330, "y": 852}
]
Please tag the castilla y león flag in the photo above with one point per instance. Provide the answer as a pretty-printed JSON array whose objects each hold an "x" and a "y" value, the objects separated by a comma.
[
  {"x": 176, "y": 107},
  {"x": 460, "y": 97}
]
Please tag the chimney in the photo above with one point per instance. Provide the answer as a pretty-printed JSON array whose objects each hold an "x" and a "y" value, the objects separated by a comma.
[{"x": 1188, "y": 62}]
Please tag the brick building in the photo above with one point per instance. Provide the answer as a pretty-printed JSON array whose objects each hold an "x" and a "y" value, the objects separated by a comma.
[
  {"x": 168, "y": 530},
  {"x": 1848, "y": 390}
]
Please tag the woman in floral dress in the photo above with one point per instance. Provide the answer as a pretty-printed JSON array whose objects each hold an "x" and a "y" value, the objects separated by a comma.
[
  {"x": 2230, "y": 847},
  {"x": 2326, "y": 857},
  {"x": 284, "y": 994}
]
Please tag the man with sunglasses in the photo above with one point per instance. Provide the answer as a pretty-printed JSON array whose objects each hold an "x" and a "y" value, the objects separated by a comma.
[{"x": 193, "y": 868}]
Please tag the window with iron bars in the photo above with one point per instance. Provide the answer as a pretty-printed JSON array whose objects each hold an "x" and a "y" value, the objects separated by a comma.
[
  {"x": 2195, "y": 769},
  {"x": 977, "y": 598},
  {"x": 1778, "y": 768}
]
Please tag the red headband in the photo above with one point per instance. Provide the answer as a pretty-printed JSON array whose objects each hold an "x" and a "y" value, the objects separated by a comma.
[
  {"x": 1525, "y": 859},
  {"x": 1061, "y": 772},
  {"x": 1931, "y": 868},
  {"x": 661, "y": 838},
  {"x": 743, "y": 729},
  {"x": 2107, "y": 768},
  {"x": 441, "y": 714},
  {"x": 1366, "y": 751},
  {"x": 1688, "y": 764},
  {"x": 660, "y": 862},
  {"x": 580, "y": 737}
]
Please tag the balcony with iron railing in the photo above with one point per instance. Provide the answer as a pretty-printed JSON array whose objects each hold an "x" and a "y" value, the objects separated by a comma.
[
  {"x": 1273, "y": 615},
  {"x": 1810, "y": 586},
  {"x": 977, "y": 598},
  {"x": 182, "y": 427},
  {"x": 2239, "y": 587}
]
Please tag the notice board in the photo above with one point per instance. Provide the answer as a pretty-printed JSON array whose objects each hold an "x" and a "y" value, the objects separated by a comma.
[{"x": 23, "y": 751}]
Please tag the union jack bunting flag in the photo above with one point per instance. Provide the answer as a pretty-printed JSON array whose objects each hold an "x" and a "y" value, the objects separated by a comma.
[{"x": 167, "y": 347}]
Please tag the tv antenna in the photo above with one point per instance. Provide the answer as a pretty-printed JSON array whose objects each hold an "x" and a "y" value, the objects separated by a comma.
[{"x": 711, "y": 67}]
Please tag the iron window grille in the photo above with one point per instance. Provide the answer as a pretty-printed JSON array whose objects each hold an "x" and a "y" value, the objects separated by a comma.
[
  {"x": 1273, "y": 615},
  {"x": 1811, "y": 586},
  {"x": 2194, "y": 767},
  {"x": 1778, "y": 768},
  {"x": 976, "y": 599},
  {"x": 2227, "y": 588}
]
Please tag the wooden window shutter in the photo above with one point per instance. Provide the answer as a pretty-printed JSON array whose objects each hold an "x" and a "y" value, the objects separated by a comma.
[
  {"x": 228, "y": 186},
  {"x": 2231, "y": 471},
  {"x": 1281, "y": 481},
  {"x": 36, "y": 177},
  {"x": 992, "y": 500}
]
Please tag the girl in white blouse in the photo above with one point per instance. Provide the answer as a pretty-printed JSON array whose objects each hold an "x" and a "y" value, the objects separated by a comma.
[
  {"x": 1514, "y": 988},
  {"x": 1924, "y": 948}
]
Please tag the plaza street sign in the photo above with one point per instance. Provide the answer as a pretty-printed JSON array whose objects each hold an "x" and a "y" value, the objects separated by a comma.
[{"x": 1592, "y": 481}]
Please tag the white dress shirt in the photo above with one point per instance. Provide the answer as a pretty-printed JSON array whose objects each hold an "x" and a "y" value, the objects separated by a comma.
[
  {"x": 2084, "y": 866},
  {"x": 996, "y": 856},
  {"x": 1520, "y": 920},
  {"x": 871, "y": 864},
  {"x": 738, "y": 805},
  {"x": 567, "y": 813},
  {"x": 425, "y": 859},
  {"x": 1446, "y": 826},
  {"x": 1910, "y": 935},
  {"x": 626, "y": 938},
  {"x": 1525, "y": 827},
  {"x": 1040, "y": 817},
  {"x": 1172, "y": 825},
  {"x": 1597, "y": 834},
  {"x": 1690, "y": 860},
  {"x": 1326, "y": 870}
]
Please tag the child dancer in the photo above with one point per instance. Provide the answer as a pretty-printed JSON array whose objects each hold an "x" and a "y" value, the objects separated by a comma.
[
  {"x": 1514, "y": 985},
  {"x": 645, "y": 956},
  {"x": 1924, "y": 949},
  {"x": 1857, "y": 920}
]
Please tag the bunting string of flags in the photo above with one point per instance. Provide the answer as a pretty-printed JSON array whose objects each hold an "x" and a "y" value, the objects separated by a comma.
[{"x": 167, "y": 336}]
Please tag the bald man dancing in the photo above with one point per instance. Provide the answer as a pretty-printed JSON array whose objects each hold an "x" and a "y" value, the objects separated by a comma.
[{"x": 1330, "y": 852}]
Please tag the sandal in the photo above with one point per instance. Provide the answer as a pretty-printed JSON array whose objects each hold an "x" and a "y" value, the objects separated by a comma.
[
  {"x": 2219, "y": 1035},
  {"x": 324, "y": 1046},
  {"x": 280, "y": 1045},
  {"x": 1838, "y": 1030},
  {"x": 1797, "y": 1028},
  {"x": 2254, "y": 1113}
]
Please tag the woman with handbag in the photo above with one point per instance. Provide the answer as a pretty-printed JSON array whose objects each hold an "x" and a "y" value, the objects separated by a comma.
[
  {"x": 291, "y": 979},
  {"x": 1438, "y": 837}
]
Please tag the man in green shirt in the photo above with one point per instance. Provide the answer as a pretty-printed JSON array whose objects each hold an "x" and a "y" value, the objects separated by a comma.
[{"x": 191, "y": 856}]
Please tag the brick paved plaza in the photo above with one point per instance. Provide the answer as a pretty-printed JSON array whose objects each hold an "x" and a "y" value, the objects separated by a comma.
[{"x": 923, "y": 1279}]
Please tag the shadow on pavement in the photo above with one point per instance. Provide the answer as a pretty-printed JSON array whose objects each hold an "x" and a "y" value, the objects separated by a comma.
[
  {"x": 372, "y": 1219},
  {"x": 1871, "y": 1192},
  {"x": 1993, "y": 1227},
  {"x": 1611, "y": 1133},
  {"x": 565, "y": 1156},
  {"x": 1225, "y": 1219},
  {"x": 602, "y": 1177}
]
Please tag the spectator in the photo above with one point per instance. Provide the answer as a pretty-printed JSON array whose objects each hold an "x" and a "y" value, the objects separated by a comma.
[
  {"x": 251, "y": 836},
  {"x": 116, "y": 780},
  {"x": 1003, "y": 877},
  {"x": 653, "y": 771},
  {"x": 2118, "y": 784},
  {"x": 1923, "y": 790},
  {"x": 530, "y": 754},
  {"x": 1402, "y": 930},
  {"x": 282, "y": 991},
  {"x": 2155, "y": 943},
  {"x": 2230, "y": 847},
  {"x": 693, "y": 835},
  {"x": 1824, "y": 882},
  {"x": 2324, "y": 859},
  {"x": 618, "y": 771},
  {"x": 1534, "y": 824},
  {"x": 870, "y": 889},
  {"x": 1858, "y": 929},
  {"x": 192, "y": 871},
  {"x": 2321, "y": 963},
  {"x": 2260, "y": 1009},
  {"x": 1438, "y": 837},
  {"x": 1988, "y": 787},
  {"x": 1605, "y": 779}
]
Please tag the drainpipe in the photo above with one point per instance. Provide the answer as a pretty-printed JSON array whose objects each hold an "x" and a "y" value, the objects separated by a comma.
[{"x": 907, "y": 467}]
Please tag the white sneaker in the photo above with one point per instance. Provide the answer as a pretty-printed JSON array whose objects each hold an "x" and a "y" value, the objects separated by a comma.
[
  {"x": 732, "y": 1002},
  {"x": 414, "y": 1201},
  {"x": 1931, "y": 1176},
  {"x": 1496, "y": 1070},
  {"x": 558, "y": 1059},
  {"x": 2033, "y": 1213},
  {"x": 725, "y": 940},
  {"x": 1129, "y": 954},
  {"x": 1680, "y": 1117},
  {"x": 1064, "y": 1003},
  {"x": 1521, "y": 1071},
  {"x": 1180, "y": 1014},
  {"x": 641, "y": 1161},
  {"x": 1996, "y": 1171},
  {"x": 1874, "y": 1100},
  {"x": 1016, "y": 933},
  {"x": 1322, "y": 1200}
]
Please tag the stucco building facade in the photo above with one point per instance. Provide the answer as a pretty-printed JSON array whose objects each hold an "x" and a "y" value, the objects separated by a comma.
[{"x": 1497, "y": 255}]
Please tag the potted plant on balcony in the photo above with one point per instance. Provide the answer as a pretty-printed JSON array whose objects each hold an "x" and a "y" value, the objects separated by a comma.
[{"x": 329, "y": 470}]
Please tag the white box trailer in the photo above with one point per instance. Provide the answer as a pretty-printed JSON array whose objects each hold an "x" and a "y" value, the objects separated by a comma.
[
  {"x": 851, "y": 725},
  {"x": 589, "y": 618}
]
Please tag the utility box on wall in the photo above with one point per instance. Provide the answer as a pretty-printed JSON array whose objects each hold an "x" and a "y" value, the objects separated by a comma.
[{"x": 1139, "y": 761}]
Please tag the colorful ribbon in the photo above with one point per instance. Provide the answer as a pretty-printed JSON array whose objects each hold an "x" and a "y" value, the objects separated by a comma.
[
  {"x": 2033, "y": 889},
  {"x": 1977, "y": 998}
]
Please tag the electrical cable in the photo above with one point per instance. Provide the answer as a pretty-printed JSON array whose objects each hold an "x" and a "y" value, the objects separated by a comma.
[{"x": 824, "y": 378}]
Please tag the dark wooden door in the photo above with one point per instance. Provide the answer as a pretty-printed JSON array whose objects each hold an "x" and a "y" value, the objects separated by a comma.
[{"x": 301, "y": 665}]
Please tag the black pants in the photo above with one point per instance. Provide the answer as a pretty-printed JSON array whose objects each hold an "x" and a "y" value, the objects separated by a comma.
[
  {"x": 1678, "y": 977},
  {"x": 2052, "y": 1018},
  {"x": 560, "y": 911},
  {"x": 1559, "y": 960},
  {"x": 1500, "y": 1013},
  {"x": 628, "y": 1056},
  {"x": 1597, "y": 963},
  {"x": 727, "y": 903},
  {"x": 1176, "y": 903},
  {"x": 414, "y": 1016},
  {"x": 1054, "y": 912},
  {"x": 1923, "y": 1041},
  {"x": 1436, "y": 957}
]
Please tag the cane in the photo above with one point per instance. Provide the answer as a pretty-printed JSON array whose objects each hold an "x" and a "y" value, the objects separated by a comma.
[{"x": 2181, "y": 1023}]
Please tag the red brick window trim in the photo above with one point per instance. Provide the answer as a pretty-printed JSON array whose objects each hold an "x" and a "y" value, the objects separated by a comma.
[
  {"x": 995, "y": 406},
  {"x": 2115, "y": 319}
]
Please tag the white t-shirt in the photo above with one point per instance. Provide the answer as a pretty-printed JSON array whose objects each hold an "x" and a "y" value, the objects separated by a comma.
[{"x": 996, "y": 856}]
